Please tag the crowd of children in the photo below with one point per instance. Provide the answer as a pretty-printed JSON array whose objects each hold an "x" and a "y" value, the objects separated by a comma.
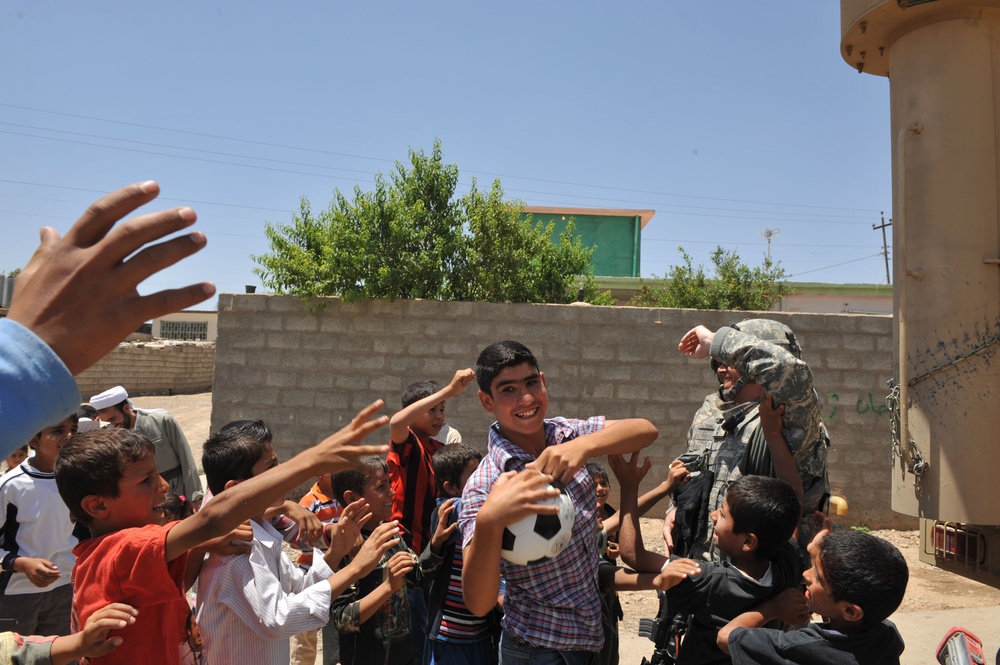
[{"x": 400, "y": 547}]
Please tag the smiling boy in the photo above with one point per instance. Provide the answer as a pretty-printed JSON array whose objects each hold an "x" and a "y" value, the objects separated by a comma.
[
  {"x": 108, "y": 479},
  {"x": 552, "y": 607}
]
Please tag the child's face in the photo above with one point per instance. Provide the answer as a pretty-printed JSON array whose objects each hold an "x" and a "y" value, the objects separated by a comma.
[
  {"x": 730, "y": 542},
  {"x": 268, "y": 460},
  {"x": 603, "y": 487},
  {"x": 140, "y": 496},
  {"x": 430, "y": 423},
  {"x": 378, "y": 493},
  {"x": 17, "y": 457},
  {"x": 818, "y": 594},
  {"x": 518, "y": 399},
  {"x": 48, "y": 442}
]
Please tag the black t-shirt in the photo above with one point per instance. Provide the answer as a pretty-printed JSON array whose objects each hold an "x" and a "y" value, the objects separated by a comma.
[
  {"x": 720, "y": 593},
  {"x": 816, "y": 644}
]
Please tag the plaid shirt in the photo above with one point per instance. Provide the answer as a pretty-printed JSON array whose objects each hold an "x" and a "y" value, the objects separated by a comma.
[{"x": 552, "y": 604}]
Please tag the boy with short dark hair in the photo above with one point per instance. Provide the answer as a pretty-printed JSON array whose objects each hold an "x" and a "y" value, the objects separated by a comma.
[
  {"x": 108, "y": 479},
  {"x": 37, "y": 538},
  {"x": 753, "y": 528},
  {"x": 413, "y": 431},
  {"x": 249, "y": 606},
  {"x": 856, "y": 581},
  {"x": 373, "y": 616},
  {"x": 553, "y": 607},
  {"x": 456, "y": 636}
]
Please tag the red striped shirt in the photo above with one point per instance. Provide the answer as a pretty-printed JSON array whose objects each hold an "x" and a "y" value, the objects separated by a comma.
[{"x": 413, "y": 486}]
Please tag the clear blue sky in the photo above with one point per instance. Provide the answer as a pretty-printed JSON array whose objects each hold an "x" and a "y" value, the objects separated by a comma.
[{"x": 726, "y": 118}]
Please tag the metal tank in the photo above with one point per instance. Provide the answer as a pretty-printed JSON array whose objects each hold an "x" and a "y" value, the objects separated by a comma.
[{"x": 942, "y": 58}]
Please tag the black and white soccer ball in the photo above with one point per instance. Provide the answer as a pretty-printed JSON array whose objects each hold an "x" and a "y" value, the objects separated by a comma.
[{"x": 539, "y": 537}]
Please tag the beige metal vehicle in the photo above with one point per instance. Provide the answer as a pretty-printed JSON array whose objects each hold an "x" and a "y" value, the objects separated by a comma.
[{"x": 942, "y": 58}]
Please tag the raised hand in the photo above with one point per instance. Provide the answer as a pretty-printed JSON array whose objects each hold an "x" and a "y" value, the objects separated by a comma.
[
  {"x": 78, "y": 293},
  {"x": 697, "y": 342},
  {"x": 343, "y": 450}
]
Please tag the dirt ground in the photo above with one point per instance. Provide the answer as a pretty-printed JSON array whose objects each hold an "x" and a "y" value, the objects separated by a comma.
[{"x": 930, "y": 588}]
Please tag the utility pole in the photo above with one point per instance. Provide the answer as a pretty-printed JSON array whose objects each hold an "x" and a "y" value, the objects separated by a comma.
[
  {"x": 768, "y": 234},
  {"x": 885, "y": 246}
]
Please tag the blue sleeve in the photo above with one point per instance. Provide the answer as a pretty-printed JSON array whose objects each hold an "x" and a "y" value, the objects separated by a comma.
[{"x": 36, "y": 388}]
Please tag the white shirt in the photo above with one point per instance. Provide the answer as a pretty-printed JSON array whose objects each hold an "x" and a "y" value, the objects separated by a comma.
[
  {"x": 249, "y": 605},
  {"x": 34, "y": 522}
]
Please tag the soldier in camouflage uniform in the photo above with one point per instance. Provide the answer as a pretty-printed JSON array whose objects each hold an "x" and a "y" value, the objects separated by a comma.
[{"x": 765, "y": 387}]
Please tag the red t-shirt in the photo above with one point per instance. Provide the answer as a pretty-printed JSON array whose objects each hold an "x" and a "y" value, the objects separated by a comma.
[
  {"x": 413, "y": 486},
  {"x": 130, "y": 566}
]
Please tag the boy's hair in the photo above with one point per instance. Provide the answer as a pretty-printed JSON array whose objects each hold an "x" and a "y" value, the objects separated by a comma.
[
  {"x": 86, "y": 411},
  {"x": 597, "y": 471},
  {"x": 450, "y": 461},
  {"x": 864, "y": 570},
  {"x": 418, "y": 390},
  {"x": 74, "y": 416},
  {"x": 765, "y": 507},
  {"x": 94, "y": 463},
  {"x": 499, "y": 356},
  {"x": 230, "y": 453},
  {"x": 355, "y": 479}
]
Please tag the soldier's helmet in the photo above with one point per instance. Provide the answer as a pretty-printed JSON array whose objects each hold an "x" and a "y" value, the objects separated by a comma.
[{"x": 771, "y": 331}]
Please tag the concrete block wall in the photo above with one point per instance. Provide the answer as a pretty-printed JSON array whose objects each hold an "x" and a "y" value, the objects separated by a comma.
[
  {"x": 151, "y": 368},
  {"x": 307, "y": 374}
]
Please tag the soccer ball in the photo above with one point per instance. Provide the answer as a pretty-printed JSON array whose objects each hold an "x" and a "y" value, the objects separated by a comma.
[{"x": 538, "y": 537}]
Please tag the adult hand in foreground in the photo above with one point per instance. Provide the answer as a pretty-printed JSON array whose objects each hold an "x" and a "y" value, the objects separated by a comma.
[{"x": 78, "y": 292}]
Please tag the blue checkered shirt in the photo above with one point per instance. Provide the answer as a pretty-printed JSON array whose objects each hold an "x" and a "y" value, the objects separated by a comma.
[{"x": 552, "y": 604}]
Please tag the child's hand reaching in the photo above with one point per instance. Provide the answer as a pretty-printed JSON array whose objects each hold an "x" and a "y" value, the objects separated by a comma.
[
  {"x": 310, "y": 526},
  {"x": 93, "y": 642},
  {"x": 343, "y": 449},
  {"x": 397, "y": 567},
  {"x": 675, "y": 572},
  {"x": 462, "y": 378},
  {"x": 628, "y": 472},
  {"x": 821, "y": 526},
  {"x": 382, "y": 538},
  {"x": 677, "y": 475},
  {"x": 344, "y": 533},
  {"x": 236, "y": 541},
  {"x": 444, "y": 530}
]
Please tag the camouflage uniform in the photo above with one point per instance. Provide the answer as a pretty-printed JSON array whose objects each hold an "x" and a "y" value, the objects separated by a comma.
[{"x": 721, "y": 430}]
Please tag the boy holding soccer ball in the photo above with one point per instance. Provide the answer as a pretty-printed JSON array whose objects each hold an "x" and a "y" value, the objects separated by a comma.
[{"x": 552, "y": 610}]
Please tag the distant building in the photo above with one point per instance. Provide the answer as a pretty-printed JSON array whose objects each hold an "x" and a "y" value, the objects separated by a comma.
[
  {"x": 187, "y": 325},
  {"x": 617, "y": 234}
]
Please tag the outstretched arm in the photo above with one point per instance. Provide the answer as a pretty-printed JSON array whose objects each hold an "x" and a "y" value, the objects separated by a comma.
[
  {"x": 341, "y": 450},
  {"x": 399, "y": 426},
  {"x": 789, "y": 606},
  {"x": 617, "y": 438},
  {"x": 78, "y": 293},
  {"x": 629, "y": 475}
]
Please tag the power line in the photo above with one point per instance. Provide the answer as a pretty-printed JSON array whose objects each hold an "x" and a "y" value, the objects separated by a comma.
[
  {"x": 369, "y": 173},
  {"x": 380, "y": 159},
  {"x": 835, "y": 265}
]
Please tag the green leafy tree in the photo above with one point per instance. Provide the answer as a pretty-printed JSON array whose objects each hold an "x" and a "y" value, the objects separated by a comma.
[
  {"x": 734, "y": 285},
  {"x": 411, "y": 237}
]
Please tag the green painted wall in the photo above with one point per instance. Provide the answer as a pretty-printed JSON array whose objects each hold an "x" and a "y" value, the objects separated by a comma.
[{"x": 617, "y": 239}]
